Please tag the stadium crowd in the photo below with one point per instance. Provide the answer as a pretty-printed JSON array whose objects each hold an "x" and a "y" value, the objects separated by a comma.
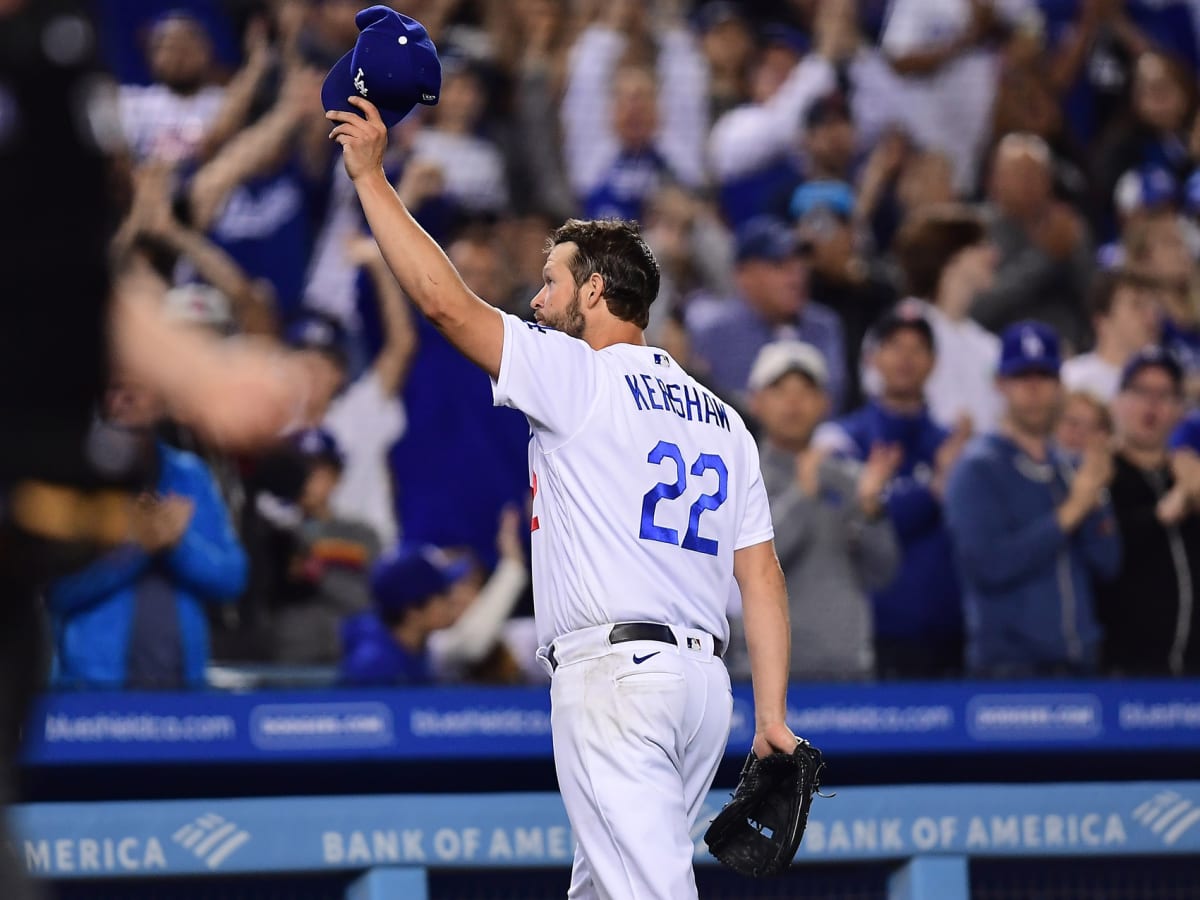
[{"x": 940, "y": 253}]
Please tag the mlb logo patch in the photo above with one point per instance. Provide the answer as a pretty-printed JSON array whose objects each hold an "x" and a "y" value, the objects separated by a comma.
[
  {"x": 693, "y": 643},
  {"x": 661, "y": 359}
]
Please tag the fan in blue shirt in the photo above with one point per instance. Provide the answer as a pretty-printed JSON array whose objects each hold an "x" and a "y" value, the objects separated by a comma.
[
  {"x": 772, "y": 304},
  {"x": 1031, "y": 532},
  {"x": 413, "y": 592},
  {"x": 918, "y": 617}
]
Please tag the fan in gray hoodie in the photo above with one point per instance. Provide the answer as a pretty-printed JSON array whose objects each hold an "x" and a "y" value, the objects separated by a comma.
[{"x": 834, "y": 541}]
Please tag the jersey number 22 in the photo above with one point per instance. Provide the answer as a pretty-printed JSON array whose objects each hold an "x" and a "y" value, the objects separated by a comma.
[{"x": 692, "y": 540}]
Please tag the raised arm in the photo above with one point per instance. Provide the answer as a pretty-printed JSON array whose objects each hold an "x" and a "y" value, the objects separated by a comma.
[
  {"x": 423, "y": 271},
  {"x": 255, "y": 150},
  {"x": 241, "y": 90},
  {"x": 399, "y": 332},
  {"x": 684, "y": 103},
  {"x": 588, "y": 141},
  {"x": 252, "y": 301}
]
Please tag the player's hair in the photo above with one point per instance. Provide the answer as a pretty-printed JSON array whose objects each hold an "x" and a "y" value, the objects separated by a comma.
[
  {"x": 614, "y": 250},
  {"x": 929, "y": 240}
]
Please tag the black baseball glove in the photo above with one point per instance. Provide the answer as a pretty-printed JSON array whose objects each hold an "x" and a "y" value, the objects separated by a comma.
[{"x": 759, "y": 830}]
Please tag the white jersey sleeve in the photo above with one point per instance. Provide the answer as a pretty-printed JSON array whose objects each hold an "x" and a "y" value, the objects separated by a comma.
[
  {"x": 547, "y": 375},
  {"x": 756, "y": 521}
]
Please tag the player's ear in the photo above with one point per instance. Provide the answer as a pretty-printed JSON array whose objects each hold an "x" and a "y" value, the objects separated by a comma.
[{"x": 594, "y": 290}]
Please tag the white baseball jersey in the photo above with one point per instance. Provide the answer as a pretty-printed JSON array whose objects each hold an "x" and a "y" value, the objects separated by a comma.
[{"x": 644, "y": 484}]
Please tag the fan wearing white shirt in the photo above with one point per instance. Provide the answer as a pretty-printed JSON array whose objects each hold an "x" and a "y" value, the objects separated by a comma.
[
  {"x": 368, "y": 417},
  {"x": 946, "y": 51},
  {"x": 946, "y": 260},
  {"x": 169, "y": 120},
  {"x": 592, "y": 107},
  {"x": 1128, "y": 318},
  {"x": 472, "y": 166}
]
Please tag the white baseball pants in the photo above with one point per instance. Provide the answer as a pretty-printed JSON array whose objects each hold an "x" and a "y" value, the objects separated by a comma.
[{"x": 639, "y": 729}]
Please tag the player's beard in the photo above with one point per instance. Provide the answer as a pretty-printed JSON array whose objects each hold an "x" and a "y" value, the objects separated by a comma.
[{"x": 571, "y": 321}]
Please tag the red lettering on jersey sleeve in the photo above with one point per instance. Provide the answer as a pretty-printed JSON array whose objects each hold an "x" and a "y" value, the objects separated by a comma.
[{"x": 533, "y": 522}]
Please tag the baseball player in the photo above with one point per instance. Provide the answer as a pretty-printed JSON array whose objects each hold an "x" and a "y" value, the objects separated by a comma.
[{"x": 647, "y": 501}]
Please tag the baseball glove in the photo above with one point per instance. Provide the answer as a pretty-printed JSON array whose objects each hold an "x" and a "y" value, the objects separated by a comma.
[{"x": 759, "y": 830}]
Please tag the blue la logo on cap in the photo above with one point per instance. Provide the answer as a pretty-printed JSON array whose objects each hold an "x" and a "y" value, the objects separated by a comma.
[
  {"x": 1029, "y": 347},
  {"x": 394, "y": 64},
  {"x": 1032, "y": 344}
]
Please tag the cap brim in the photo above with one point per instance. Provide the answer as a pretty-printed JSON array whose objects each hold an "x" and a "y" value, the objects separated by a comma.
[
  {"x": 1174, "y": 372},
  {"x": 798, "y": 368},
  {"x": 339, "y": 85},
  {"x": 1029, "y": 367},
  {"x": 889, "y": 329}
]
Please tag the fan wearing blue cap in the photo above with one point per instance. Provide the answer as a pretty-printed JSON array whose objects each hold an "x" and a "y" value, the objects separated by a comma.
[
  {"x": 854, "y": 286},
  {"x": 414, "y": 597},
  {"x": 772, "y": 303},
  {"x": 324, "y": 461},
  {"x": 829, "y": 138},
  {"x": 393, "y": 64},
  {"x": 1033, "y": 532},
  {"x": 328, "y": 555},
  {"x": 321, "y": 343}
]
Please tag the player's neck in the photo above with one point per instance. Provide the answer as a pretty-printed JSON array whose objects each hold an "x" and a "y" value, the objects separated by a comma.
[{"x": 609, "y": 332}]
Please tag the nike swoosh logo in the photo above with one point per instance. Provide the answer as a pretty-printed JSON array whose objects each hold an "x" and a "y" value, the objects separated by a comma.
[{"x": 638, "y": 660}]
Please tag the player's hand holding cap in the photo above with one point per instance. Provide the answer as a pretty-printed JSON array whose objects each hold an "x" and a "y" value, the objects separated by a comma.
[{"x": 393, "y": 64}]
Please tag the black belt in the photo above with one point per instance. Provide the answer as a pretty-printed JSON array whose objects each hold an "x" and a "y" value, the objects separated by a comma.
[{"x": 641, "y": 631}]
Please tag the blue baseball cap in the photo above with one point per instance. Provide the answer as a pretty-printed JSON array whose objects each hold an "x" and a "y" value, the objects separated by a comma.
[
  {"x": 393, "y": 64},
  {"x": 835, "y": 196},
  {"x": 717, "y": 12},
  {"x": 1152, "y": 358},
  {"x": 766, "y": 237},
  {"x": 319, "y": 445},
  {"x": 1029, "y": 347},
  {"x": 1147, "y": 187},
  {"x": 318, "y": 332},
  {"x": 410, "y": 575},
  {"x": 780, "y": 34},
  {"x": 905, "y": 314}
]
